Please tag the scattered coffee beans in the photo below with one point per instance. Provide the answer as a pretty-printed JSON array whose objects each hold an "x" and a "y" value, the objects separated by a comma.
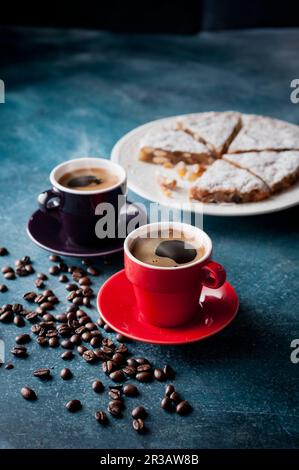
[
  {"x": 101, "y": 417},
  {"x": 130, "y": 390},
  {"x": 138, "y": 425},
  {"x": 42, "y": 373},
  {"x": 28, "y": 394},
  {"x": 66, "y": 374},
  {"x": 97, "y": 386},
  {"x": 73, "y": 405}
]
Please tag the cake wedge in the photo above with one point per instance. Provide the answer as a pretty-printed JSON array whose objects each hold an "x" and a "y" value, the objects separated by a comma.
[
  {"x": 224, "y": 182},
  {"x": 164, "y": 146},
  {"x": 215, "y": 129},
  {"x": 278, "y": 170},
  {"x": 265, "y": 133}
]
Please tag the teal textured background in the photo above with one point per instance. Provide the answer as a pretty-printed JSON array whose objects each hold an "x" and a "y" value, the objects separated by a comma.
[{"x": 75, "y": 93}]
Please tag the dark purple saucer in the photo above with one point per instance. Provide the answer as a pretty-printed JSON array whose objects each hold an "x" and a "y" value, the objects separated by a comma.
[{"x": 46, "y": 232}]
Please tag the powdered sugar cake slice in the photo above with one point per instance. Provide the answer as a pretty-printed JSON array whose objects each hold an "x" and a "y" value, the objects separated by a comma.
[
  {"x": 168, "y": 145},
  {"x": 223, "y": 182},
  {"x": 277, "y": 169},
  {"x": 215, "y": 129},
  {"x": 265, "y": 133}
]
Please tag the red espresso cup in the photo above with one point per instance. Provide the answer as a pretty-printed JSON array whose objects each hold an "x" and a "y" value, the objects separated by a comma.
[{"x": 169, "y": 296}]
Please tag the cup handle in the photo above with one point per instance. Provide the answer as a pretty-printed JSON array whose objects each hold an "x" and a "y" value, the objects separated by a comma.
[
  {"x": 214, "y": 275},
  {"x": 49, "y": 200}
]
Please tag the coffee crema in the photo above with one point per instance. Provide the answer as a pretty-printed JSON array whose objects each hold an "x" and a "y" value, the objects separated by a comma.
[
  {"x": 175, "y": 249},
  {"x": 89, "y": 179}
]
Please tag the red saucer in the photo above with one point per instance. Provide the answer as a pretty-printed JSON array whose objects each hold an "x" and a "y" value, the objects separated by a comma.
[{"x": 116, "y": 304}]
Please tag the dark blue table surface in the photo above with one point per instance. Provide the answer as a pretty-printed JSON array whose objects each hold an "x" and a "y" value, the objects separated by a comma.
[{"x": 75, "y": 93}]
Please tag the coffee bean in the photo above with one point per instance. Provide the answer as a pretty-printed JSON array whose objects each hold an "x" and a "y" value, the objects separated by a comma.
[
  {"x": 6, "y": 269},
  {"x": 167, "y": 404},
  {"x": 67, "y": 355},
  {"x": 63, "y": 278},
  {"x": 117, "y": 376},
  {"x": 100, "y": 355},
  {"x": 35, "y": 329},
  {"x": 47, "y": 317},
  {"x": 141, "y": 360},
  {"x": 86, "y": 302},
  {"x": 81, "y": 349},
  {"x": 46, "y": 306},
  {"x": 100, "y": 322},
  {"x": 7, "y": 317},
  {"x": 71, "y": 287},
  {"x": 53, "y": 299},
  {"x": 3, "y": 251},
  {"x": 40, "y": 298},
  {"x": 42, "y": 373},
  {"x": 19, "y": 321},
  {"x": 108, "y": 342},
  {"x": 144, "y": 368},
  {"x": 3, "y": 288},
  {"x": 19, "y": 351},
  {"x": 77, "y": 300},
  {"x": 29, "y": 296},
  {"x": 131, "y": 362},
  {"x": 42, "y": 341},
  {"x": 114, "y": 408},
  {"x": 130, "y": 390},
  {"x": 9, "y": 366},
  {"x": 183, "y": 407},
  {"x": 175, "y": 397},
  {"x": 138, "y": 425},
  {"x": 159, "y": 375},
  {"x": 63, "y": 266},
  {"x": 139, "y": 412},
  {"x": 122, "y": 349},
  {"x": 87, "y": 291},
  {"x": 89, "y": 356},
  {"x": 86, "y": 336},
  {"x": 54, "y": 342},
  {"x": 169, "y": 389},
  {"x": 108, "y": 367},
  {"x": 65, "y": 330},
  {"x": 92, "y": 270},
  {"x": 75, "y": 339},
  {"x": 107, "y": 328},
  {"x": 42, "y": 276},
  {"x": 84, "y": 281},
  {"x": 10, "y": 275},
  {"x": 54, "y": 270},
  {"x": 118, "y": 358},
  {"x": 130, "y": 371},
  {"x": 91, "y": 326},
  {"x": 23, "y": 339},
  {"x": 115, "y": 394},
  {"x": 144, "y": 377},
  {"x": 95, "y": 341},
  {"x": 121, "y": 338},
  {"x": 169, "y": 372},
  {"x": 96, "y": 333},
  {"x": 97, "y": 386},
  {"x": 28, "y": 393},
  {"x": 39, "y": 283},
  {"x": 73, "y": 405},
  {"x": 101, "y": 417},
  {"x": 54, "y": 258},
  {"x": 66, "y": 374},
  {"x": 32, "y": 316},
  {"x": 67, "y": 344},
  {"x": 17, "y": 308}
]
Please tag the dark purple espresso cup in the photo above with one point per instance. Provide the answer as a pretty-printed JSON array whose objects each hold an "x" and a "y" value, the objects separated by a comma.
[{"x": 75, "y": 209}]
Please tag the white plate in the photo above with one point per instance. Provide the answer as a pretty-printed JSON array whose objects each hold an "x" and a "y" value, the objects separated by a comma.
[{"x": 142, "y": 180}]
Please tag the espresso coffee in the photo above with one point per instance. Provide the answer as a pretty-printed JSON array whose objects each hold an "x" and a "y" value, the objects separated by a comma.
[
  {"x": 175, "y": 249},
  {"x": 88, "y": 179}
]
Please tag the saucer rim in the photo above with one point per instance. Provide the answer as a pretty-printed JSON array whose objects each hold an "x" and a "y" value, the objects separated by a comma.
[
  {"x": 166, "y": 342},
  {"x": 86, "y": 254}
]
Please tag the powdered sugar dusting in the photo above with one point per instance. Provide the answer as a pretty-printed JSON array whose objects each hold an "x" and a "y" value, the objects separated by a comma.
[{"x": 172, "y": 141}]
